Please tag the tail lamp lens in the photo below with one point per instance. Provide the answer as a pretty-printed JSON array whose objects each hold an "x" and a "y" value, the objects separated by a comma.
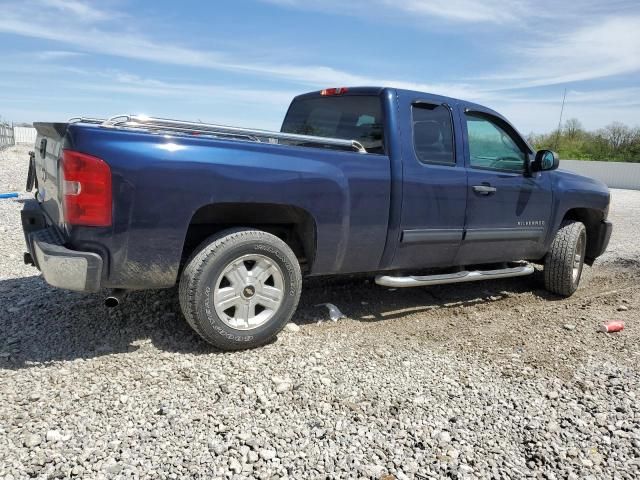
[{"x": 86, "y": 189}]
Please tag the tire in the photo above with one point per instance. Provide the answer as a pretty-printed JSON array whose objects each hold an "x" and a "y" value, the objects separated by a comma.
[
  {"x": 31, "y": 174},
  {"x": 564, "y": 262},
  {"x": 253, "y": 273}
]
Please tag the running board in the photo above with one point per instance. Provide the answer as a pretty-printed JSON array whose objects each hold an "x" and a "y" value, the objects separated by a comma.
[{"x": 458, "y": 277}]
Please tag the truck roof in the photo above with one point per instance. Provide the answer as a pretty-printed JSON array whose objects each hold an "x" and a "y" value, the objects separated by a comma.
[
  {"x": 420, "y": 96},
  {"x": 400, "y": 91},
  {"x": 370, "y": 90}
]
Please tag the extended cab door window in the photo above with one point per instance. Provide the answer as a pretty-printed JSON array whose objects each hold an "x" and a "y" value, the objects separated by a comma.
[
  {"x": 491, "y": 147},
  {"x": 433, "y": 134}
]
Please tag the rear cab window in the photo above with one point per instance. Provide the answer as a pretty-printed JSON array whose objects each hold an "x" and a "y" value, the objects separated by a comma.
[{"x": 349, "y": 117}]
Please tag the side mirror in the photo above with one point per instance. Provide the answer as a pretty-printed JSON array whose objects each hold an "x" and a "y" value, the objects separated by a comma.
[{"x": 545, "y": 160}]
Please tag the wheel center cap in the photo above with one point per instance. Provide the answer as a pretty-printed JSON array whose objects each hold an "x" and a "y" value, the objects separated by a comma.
[{"x": 249, "y": 291}]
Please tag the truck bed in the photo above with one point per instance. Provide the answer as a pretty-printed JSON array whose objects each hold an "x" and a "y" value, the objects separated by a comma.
[{"x": 166, "y": 173}]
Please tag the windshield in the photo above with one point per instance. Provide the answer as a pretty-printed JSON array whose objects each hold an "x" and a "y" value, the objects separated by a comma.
[{"x": 356, "y": 117}]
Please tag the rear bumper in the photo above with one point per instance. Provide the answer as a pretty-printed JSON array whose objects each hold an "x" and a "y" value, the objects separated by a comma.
[
  {"x": 599, "y": 241},
  {"x": 60, "y": 266}
]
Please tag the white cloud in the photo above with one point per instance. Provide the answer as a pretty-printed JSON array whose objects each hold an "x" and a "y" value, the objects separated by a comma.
[
  {"x": 610, "y": 46},
  {"x": 57, "y": 54},
  {"x": 543, "y": 117},
  {"x": 77, "y": 8},
  {"x": 518, "y": 13},
  {"x": 92, "y": 38},
  {"x": 86, "y": 37},
  {"x": 573, "y": 51},
  {"x": 618, "y": 97},
  {"x": 124, "y": 82},
  {"x": 558, "y": 42},
  {"x": 492, "y": 11}
]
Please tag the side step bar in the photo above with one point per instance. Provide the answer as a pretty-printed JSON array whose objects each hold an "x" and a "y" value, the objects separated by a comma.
[{"x": 458, "y": 277}]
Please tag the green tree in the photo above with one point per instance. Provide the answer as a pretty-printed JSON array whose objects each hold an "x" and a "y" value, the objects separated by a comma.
[
  {"x": 615, "y": 142},
  {"x": 573, "y": 128}
]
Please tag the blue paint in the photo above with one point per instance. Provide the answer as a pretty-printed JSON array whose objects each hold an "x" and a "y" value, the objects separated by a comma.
[{"x": 360, "y": 205}]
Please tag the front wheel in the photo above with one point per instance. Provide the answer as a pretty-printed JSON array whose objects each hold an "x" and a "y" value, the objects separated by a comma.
[
  {"x": 564, "y": 263},
  {"x": 240, "y": 288}
]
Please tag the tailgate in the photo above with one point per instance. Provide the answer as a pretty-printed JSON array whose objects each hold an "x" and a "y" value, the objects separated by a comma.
[{"x": 48, "y": 148}]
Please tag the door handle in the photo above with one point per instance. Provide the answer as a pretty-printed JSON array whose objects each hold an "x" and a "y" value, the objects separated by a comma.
[{"x": 484, "y": 189}]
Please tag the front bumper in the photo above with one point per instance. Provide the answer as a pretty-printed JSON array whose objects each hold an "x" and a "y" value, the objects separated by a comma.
[{"x": 60, "y": 266}]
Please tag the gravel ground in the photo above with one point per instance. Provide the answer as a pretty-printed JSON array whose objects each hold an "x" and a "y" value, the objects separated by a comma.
[{"x": 485, "y": 380}]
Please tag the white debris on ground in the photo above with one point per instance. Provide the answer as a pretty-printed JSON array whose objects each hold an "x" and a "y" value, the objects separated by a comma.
[
  {"x": 485, "y": 380},
  {"x": 334, "y": 312}
]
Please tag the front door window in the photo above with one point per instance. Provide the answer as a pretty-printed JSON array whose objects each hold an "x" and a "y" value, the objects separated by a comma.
[{"x": 491, "y": 147}]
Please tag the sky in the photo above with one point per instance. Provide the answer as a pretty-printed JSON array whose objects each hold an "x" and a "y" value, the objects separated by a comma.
[{"x": 241, "y": 62}]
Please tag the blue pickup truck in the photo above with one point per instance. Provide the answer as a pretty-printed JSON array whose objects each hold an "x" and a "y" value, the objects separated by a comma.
[{"x": 413, "y": 188}]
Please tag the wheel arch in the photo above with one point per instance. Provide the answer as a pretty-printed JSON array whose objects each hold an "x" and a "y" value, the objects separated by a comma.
[
  {"x": 294, "y": 225},
  {"x": 591, "y": 219}
]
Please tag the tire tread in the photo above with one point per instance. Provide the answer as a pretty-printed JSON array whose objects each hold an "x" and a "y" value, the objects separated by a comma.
[
  {"x": 199, "y": 260},
  {"x": 558, "y": 265}
]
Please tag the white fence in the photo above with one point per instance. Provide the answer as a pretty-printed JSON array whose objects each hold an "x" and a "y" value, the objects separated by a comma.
[
  {"x": 26, "y": 135},
  {"x": 614, "y": 174},
  {"x": 10, "y": 135},
  {"x": 6, "y": 135}
]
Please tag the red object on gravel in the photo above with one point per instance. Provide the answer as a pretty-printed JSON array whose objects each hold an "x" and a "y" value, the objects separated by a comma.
[{"x": 612, "y": 326}]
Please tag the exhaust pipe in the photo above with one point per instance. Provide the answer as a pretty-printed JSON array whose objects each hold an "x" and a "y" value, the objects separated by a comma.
[{"x": 115, "y": 297}]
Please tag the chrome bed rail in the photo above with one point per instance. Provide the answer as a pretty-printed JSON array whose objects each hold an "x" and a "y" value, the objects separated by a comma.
[
  {"x": 168, "y": 126},
  {"x": 85, "y": 120}
]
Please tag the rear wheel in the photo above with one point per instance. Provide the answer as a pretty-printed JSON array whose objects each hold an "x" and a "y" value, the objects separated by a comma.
[
  {"x": 564, "y": 263},
  {"x": 240, "y": 288}
]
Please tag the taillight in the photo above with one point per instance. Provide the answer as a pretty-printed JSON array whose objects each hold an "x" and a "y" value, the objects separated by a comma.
[
  {"x": 86, "y": 190},
  {"x": 329, "y": 92}
]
